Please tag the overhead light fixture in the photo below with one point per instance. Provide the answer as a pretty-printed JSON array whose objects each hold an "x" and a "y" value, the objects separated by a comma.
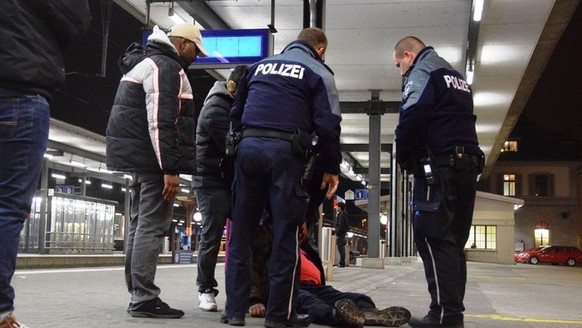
[
  {"x": 184, "y": 190},
  {"x": 470, "y": 76},
  {"x": 106, "y": 186},
  {"x": 478, "y": 10},
  {"x": 174, "y": 16},
  {"x": 76, "y": 163},
  {"x": 58, "y": 176}
]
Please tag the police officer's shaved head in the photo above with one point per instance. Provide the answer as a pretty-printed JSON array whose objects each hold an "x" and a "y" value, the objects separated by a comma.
[
  {"x": 313, "y": 36},
  {"x": 408, "y": 43}
]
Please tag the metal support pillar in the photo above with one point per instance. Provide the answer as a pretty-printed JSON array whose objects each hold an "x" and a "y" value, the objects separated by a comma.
[
  {"x": 43, "y": 207},
  {"x": 374, "y": 181}
]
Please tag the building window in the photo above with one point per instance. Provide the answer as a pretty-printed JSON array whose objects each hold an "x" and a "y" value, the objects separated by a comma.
[
  {"x": 509, "y": 181},
  {"x": 509, "y": 146},
  {"x": 482, "y": 237},
  {"x": 541, "y": 233},
  {"x": 541, "y": 185}
]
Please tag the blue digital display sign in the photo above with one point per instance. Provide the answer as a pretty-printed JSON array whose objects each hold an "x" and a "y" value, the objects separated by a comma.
[
  {"x": 235, "y": 46},
  {"x": 228, "y": 48}
]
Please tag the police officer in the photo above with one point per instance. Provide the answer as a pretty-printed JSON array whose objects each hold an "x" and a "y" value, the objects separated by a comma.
[
  {"x": 280, "y": 101},
  {"x": 437, "y": 142}
]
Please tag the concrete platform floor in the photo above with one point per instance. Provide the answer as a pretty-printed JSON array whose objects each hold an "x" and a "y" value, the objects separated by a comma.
[{"x": 522, "y": 295}]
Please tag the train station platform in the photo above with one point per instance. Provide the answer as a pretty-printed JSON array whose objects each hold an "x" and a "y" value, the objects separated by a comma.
[{"x": 498, "y": 295}]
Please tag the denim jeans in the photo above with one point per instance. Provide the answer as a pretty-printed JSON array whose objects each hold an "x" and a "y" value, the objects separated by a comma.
[
  {"x": 24, "y": 127},
  {"x": 151, "y": 217},
  {"x": 266, "y": 174},
  {"x": 214, "y": 205}
]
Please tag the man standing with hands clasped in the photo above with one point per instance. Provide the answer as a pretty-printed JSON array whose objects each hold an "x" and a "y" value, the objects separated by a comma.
[
  {"x": 151, "y": 135},
  {"x": 437, "y": 142},
  {"x": 280, "y": 102}
]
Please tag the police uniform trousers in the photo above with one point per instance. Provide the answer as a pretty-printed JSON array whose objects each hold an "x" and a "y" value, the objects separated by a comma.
[
  {"x": 442, "y": 220},
  {"x": 267, "y": 175}
]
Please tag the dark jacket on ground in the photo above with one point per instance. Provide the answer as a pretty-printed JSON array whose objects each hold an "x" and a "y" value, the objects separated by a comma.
[
  {"x": 33, "y": 34},
  {"x": 213, "y": 125},
  {"x": 152, "y": 122}
]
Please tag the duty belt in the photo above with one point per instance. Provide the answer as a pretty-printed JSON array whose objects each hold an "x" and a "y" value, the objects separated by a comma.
[
  {"x": 267, "y": 133},
  {"x": 448, "y": 159}
]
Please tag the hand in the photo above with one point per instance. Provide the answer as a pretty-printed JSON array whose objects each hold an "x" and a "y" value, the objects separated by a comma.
[
  {"x": 171, "y": 184},
  {"x": 331, "y": 181}
]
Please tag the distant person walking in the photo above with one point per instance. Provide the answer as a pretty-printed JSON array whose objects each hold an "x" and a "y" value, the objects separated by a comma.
[
  {"x": 341, "y": 229},
  {"x": 437, "y": 142},
  {"x": 151, "y": 135},
  {"x": 33, "y": 35}
]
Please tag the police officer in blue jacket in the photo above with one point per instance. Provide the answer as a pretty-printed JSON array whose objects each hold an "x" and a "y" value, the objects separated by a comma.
[
  {"x": 280, "y": 102},
  {"x": 437, "y": 142}
]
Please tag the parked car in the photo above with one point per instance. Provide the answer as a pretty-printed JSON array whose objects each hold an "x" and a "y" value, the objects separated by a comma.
[{"x": 550, "y": 254}]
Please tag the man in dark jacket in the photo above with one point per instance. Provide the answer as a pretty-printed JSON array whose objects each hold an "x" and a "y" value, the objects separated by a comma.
[
  {"x": 279, "y": 101},
  {"x": 341, "y": 229},
  {"x": 150, "y": 134},
  {"x": 211, "y": 187},
  {"x": 33, "y": 35}
]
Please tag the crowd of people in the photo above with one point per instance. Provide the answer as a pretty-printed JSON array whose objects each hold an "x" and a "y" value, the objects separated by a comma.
[{"x": 281, "y": 116}]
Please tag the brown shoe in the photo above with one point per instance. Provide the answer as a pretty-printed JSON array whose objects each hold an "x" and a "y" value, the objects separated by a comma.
[
  {"x": 394, "y": 316},
  {"x": 11, "y": 322},
  {"x": 349, "y": 313}
]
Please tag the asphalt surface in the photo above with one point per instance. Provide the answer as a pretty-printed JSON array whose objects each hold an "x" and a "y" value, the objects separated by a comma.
[{"x": 520, "y": 296}]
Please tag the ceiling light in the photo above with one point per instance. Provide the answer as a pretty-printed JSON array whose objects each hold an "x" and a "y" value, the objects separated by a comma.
[
  {"x": 58, "y": 176},
  {"x": 74, "y": 162},
  {"x": 106, "y": 186},
  {"x": 478, "y": 10},
  {"x": 174, "y": 16},
  {"x": 470, "y": 76},
  {"x": 184, "y": 190}
]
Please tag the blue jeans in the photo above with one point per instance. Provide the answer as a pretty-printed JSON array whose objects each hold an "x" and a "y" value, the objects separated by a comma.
[
  {"x": 150, "y": 221},
  {"x": 24, "y": 127},
  {"x": 214, "y": 205},
  {"x": 266, "y": 174}
]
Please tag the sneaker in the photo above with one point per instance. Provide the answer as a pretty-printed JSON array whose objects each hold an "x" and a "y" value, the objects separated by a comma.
[
  {"x": 231, "y": 321},
  {"x": 155, "y": 309},
  {"x": 349, "y": 312},
  {"x": 394, "y": 316},
  {"x": 428, "y": 322},
  {"x": 11, "y": 322},
  {"x": 207, "y": 301}
]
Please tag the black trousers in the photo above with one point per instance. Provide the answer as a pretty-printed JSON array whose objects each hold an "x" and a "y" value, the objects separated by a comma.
[
  {"x": 318, "y": 301},
  {"x": 443, "y": 215}
]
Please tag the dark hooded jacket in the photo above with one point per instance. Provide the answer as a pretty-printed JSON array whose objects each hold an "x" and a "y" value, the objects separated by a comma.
[
  {"x": 152, "y": 123},
  {"x": 33, "y": 35},
  {"x": 213, "y": 125}
]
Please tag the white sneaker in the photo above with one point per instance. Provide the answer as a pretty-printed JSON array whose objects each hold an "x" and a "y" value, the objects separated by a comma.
[{"x": 207, "y": 302}]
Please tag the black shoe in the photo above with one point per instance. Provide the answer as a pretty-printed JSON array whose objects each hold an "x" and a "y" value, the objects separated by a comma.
[
  {"x": 299, "y": 321},
  {"x": 155, "y": 309},
  {"x": 428, "y": 322},
  {"x": 349, "y": 312},
  {"x": 233, "y": 321},
  {"x": 394, "y": 316}
]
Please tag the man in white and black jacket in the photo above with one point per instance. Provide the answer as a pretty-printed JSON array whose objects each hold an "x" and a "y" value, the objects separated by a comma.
[{"x": 151, "y": 135}]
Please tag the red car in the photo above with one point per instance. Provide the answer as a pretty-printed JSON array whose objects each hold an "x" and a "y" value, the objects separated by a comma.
[{"x": 550, "y": 254}]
